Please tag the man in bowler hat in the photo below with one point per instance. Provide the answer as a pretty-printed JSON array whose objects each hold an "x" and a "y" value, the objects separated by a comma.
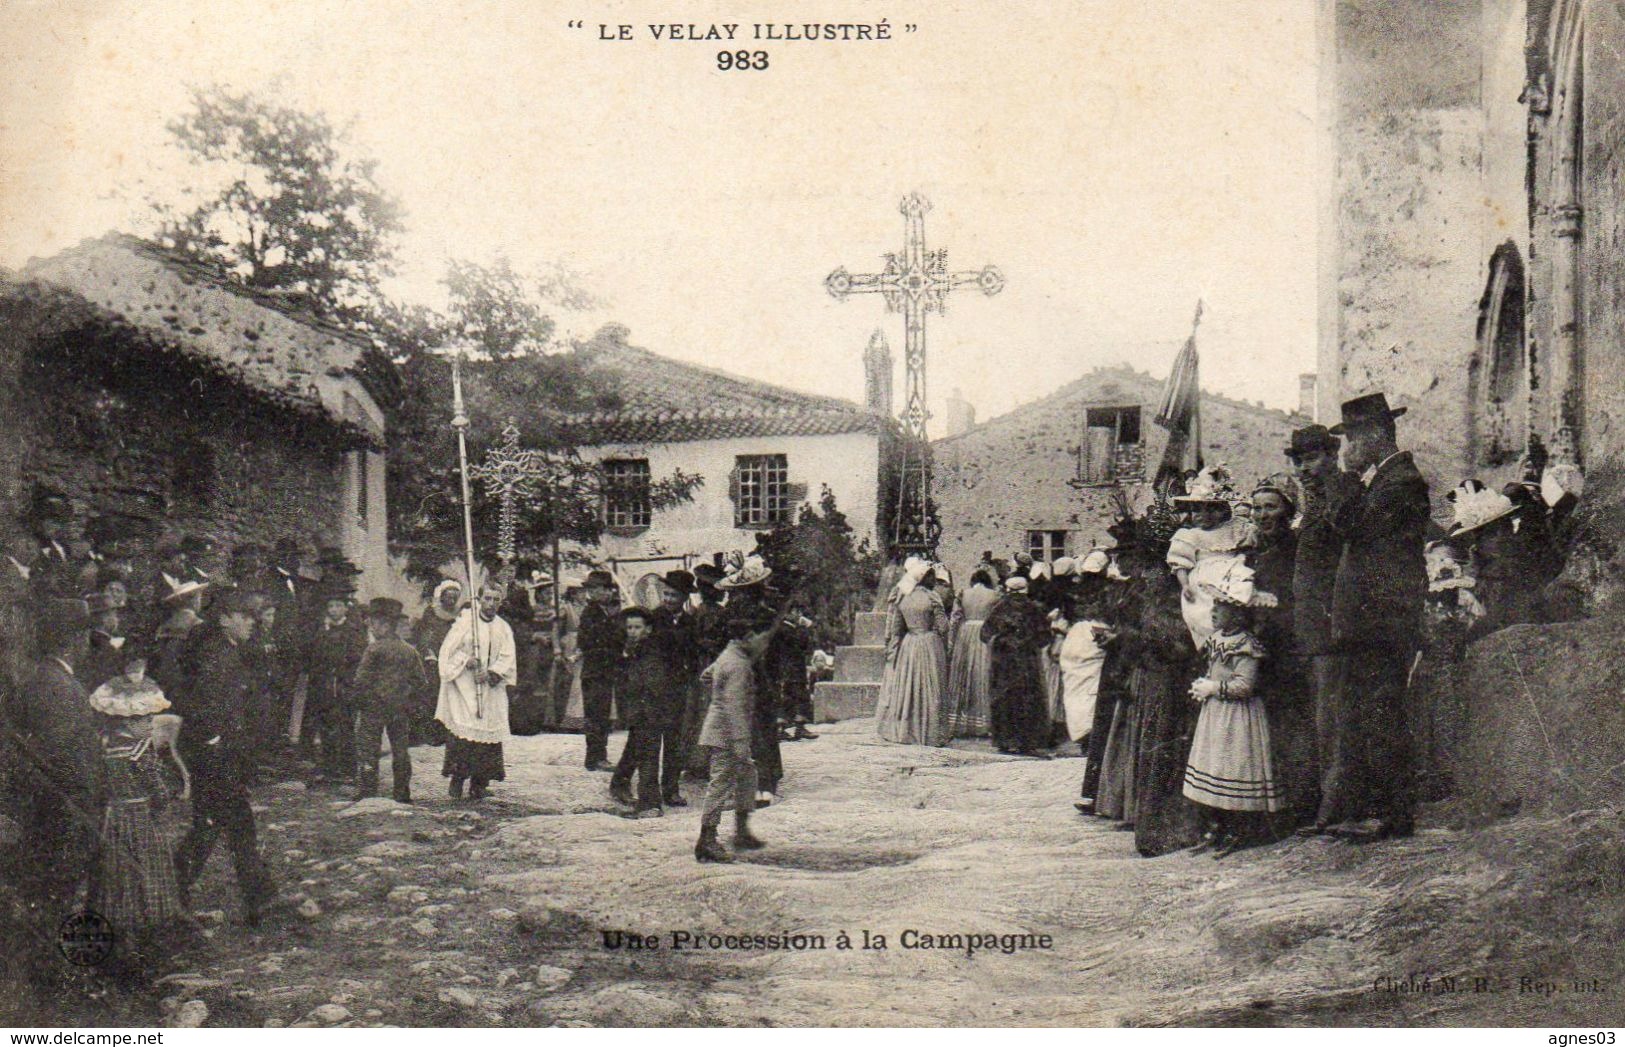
[{"x": 1376, "y": 619}]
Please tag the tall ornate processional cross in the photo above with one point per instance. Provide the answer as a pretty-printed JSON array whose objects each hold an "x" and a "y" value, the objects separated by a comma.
[
  {"x": 914, "y": 282},
  {"x": 508, "y": 474}
]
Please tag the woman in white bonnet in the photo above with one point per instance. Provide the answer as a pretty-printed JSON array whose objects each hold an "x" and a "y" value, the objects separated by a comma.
[{"x": 910, "y": 710}]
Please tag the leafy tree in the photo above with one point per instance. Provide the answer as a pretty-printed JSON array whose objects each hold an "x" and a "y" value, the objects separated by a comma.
[
  {"x": 836, "y": 573},
  {"x": 278, "y": 204}
]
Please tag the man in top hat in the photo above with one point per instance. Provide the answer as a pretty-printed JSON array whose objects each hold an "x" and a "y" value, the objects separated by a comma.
[
  {"x": 1325, "y": 488},
  {"x": 217, "y": 743},
  {"x": 332, "y": 655},
  {"x": 1376, "y": 624},
  {"x": 62, "y": 769},
  {"x": 389, "y": 687},
  {"x": 600, "y": 640}
]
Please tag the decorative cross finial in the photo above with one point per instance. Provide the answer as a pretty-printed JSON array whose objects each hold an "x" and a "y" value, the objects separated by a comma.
[{"x": 508, "y": 474}]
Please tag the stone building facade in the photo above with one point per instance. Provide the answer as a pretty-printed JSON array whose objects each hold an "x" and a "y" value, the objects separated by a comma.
[
  {"x": 1471, "y": 262},
  {"x": 141, "y": 385},
  {"x": 1045, "y": 478},
  {"x": 760, "y": 450}
]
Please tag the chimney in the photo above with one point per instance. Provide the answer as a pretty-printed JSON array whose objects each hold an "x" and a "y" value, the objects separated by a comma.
[
  {"x": 877, "y": 375},
  {"x": 1308, "y": 386},
  {"x": 961, "y": 415}
]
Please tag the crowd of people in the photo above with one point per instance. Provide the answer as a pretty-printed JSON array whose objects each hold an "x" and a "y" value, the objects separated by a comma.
[
  {"x": 136, "y": 700},
  {"x": 1234, "y": 669},
  {"x": 1237, "y": 667}
]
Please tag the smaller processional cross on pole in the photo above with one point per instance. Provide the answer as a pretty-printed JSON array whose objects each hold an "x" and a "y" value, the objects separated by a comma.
[
  {"x": 914, "y": 282},
  {"x": 509, "y": 474}
]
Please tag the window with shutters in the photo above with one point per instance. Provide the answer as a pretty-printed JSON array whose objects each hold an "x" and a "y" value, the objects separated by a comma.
[
  {"x": 626, "y": 494},
  {"x": 1112, "y": 450},
  {"x": 1046, "y": 546},
  {"x": 762, "y": 493}
]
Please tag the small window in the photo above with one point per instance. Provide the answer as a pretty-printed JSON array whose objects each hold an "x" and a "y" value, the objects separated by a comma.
[
  {"x": 1111, "y": 451},
  {"x": 626, "y": 493},
  {"x": 761, "y": 490},
  {"x": 1046, "y": 546}
]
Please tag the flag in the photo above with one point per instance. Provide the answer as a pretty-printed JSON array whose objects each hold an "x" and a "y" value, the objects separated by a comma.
[{"x": 1181, "y": 414}]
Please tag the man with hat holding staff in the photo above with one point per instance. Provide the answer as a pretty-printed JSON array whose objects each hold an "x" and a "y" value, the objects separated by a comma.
[
  {"x": 600, "y": 640},
  {"x": 1376, "y": 615},
  {"x": 478, "y": 664},
  {"x": 389, "y": 684}
]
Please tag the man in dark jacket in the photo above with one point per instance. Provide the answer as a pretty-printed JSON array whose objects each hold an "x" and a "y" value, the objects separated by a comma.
[
  {"x": 333, "y": 655},
  {"x": 676, "y": 636},
  {"x": 600, "y": 641},
  {"x": 217, "y": 747},
  {"x": 1325, "y": 489},
  {"x": 62, "y": 770},
  {"x": 1376, "y": 625},
  {"x": 389, "y": 689},
  {"x": 642, "y": 689}
]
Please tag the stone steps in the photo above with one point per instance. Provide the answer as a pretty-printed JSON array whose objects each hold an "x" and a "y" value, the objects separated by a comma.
[
  {"x": 844, "y": 701},
  {"x": 858, "y": 671},
  {"x": 859, "y": 664}
]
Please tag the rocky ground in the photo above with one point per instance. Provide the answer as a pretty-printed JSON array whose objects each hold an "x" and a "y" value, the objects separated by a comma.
[{"x": 496, "y": 914}]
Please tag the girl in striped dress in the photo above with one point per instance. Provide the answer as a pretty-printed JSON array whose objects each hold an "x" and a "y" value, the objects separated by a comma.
[
  {"x": 1229, "y": 774},
  {"x": 135, "y": 886}
]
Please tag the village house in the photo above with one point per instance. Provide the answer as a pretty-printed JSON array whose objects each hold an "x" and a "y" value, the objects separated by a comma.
[
  {"x": 1473, "y": 210},
  {"x": 143, "y": 385},
  {"x": 761, "y": 451},
  {"x": 1044, "y": 478}
]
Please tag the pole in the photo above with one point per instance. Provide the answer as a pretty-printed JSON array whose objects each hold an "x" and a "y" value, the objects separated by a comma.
[{"x": 459, "y": 422}]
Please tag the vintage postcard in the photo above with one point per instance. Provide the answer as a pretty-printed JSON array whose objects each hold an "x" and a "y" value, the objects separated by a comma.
[{"x": 735, "y": 514}]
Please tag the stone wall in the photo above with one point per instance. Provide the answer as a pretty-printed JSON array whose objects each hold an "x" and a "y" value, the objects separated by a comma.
[
  {"x": 193, "y": 455},
  {"x": 1010, "y": 474},
  {"x": 849, "y": 463},
  {"x": 1412, "y": 213},
  {"x": 1602, "y": 196}
]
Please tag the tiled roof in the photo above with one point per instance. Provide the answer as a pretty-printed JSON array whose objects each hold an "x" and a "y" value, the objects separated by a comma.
[
  {"x": 267, "y": 345},
  {"x": 676, "y": 426},
  {"x": 668, "y": 401}
]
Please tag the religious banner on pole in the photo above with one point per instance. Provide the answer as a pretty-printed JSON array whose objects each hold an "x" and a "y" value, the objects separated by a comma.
[{"x": 1180, "y": 412}]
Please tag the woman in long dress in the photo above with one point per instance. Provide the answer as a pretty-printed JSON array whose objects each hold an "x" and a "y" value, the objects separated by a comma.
[
  {"x": 135, "y": 885},
  {"x": 477, "y": 666},
  {"x": 969, "y": 699},
  {"x": 1154, "y": 640},
  {"x": 910, "y": 709},
  {"x": 1016, "y": 630}
]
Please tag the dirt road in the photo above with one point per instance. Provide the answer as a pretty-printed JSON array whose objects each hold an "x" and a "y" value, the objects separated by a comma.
[{"x": 523, "y": 910}]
